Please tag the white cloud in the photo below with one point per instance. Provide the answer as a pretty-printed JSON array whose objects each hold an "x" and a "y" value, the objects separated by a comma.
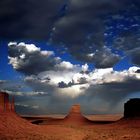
[
  {"x": 73, "y": 91},
  {"x": 22, "y": 56},
  {"x": 75, "y": 83},
  {"x": 85, "y": 67},
  {"x": 29, "y": 47},
  {"x": 47, "y": 53},
  {"x": 29, "y": 59},
  {"x": 14, "y": 61},
  {"x": 65, "y": 65}
]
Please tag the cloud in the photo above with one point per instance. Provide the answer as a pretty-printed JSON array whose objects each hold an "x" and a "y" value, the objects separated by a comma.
[
  {"x": 109, "y": 89},
  {"x": 77, "y": 84},
  {"x": 2, "y": 82},
  {"x": 13, "y": 86},
  {"x": 90, "y": 30},
  {"x": 135, "y": 56},
  {"x": 64, "y": 85},
  {"x": 24, "y": 109},
  {"x": 114, "y": 90},
  {"x": 105, "y": 58},
  {"x": 127, "y": 36},
  {"x": 21, "y": 22},
  {"x": 102, "y": 92},
  {"x": 29, "y": 59},
  {"x": 77, "y": 25},
  {"x": 65, "y": 65},
  {"x": 23, "y": 105},
  {"x": 85, "y": 67},
  {"x": 138, "y": 71}
]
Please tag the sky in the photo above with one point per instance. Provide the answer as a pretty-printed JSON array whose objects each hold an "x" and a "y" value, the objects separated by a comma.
[{"x": 57, "y": 53}]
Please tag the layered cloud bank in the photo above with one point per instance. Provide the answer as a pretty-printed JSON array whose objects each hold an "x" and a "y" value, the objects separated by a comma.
[{"x": 55, "y": 83}]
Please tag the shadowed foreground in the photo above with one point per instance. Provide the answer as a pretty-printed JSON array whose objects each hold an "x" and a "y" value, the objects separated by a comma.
[{"x": 73, "y": 127}]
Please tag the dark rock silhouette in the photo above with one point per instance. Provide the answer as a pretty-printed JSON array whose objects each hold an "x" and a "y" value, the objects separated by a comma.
[
  {"x": 132, "y": 108},
  {"x": 5, "y": 105}
]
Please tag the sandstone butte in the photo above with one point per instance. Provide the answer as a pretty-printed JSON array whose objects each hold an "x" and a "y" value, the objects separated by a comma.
[
  {"x": 73, "y": 127},
  {"x": 5, "y": 104}
]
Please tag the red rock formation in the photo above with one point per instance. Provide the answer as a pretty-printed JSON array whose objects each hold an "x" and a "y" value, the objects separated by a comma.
[
  {"x": 6, "y": 102},
  {"x": 13, "y": 104},
  {"x": 2, "y": 103},
  {"x": 5, "y": 105},
  {"x": 75, "y": 116}
]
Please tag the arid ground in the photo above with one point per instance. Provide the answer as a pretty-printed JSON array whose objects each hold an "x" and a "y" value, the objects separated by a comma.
[{"x": 13, "y": 127}]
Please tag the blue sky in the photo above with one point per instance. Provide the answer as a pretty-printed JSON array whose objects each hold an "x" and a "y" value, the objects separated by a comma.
[{"x": 64, "y": 52}]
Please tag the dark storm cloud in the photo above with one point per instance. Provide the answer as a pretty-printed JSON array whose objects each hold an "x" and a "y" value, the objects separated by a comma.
[
  {"x": 64, "y": 85},
  {"x": 81, "y": 80},
  {"x": 127, "y": 32},
  {"x": 135, "y": 56},
  {"x": 104, "y": 58},
  {"x": 130, "y": 45},
  {"x": 37, "y": 85},
  {"x": 138, "y": 71},
  {"x": 115, "y": 91},
  {"x": 82, "y": 30},
  {"x": 28, "y": 19},
  {"x": 79, "y": 25},
  {"x": 34, "y": 19}
]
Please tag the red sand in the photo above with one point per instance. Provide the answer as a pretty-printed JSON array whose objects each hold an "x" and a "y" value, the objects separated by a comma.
[{"x": 12, "y": 127}]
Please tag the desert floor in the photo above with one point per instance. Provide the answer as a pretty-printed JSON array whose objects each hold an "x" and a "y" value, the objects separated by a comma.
[{"x": 13, "y": 127}]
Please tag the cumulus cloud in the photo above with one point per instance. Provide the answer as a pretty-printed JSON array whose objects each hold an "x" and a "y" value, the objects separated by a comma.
[
  {"x": 80, "y": 82},
  {"x": 29, "y": 59},
  {"x": 65, "y": 65},
  {"x": 101, "y": 76}
]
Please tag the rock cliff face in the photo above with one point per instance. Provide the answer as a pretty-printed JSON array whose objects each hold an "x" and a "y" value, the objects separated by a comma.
[
  {"x": 5, "y": 105},
  {"x": 132, "y": 108}
]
